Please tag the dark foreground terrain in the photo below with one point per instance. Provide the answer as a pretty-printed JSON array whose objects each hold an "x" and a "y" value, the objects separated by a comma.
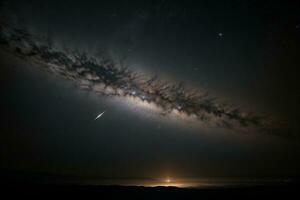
[
  {"x": 138, "y": 192},
  {"x": 41, "y": 186}
]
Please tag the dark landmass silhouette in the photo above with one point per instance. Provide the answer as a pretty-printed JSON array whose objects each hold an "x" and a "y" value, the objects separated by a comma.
[{"x": 42, "y": 185}]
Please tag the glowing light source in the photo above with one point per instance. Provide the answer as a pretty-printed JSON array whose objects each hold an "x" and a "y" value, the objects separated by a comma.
[{"x": 99, "y": 115}]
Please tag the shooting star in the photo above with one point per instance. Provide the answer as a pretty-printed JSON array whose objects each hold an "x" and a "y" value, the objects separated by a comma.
[{"x": 99, "y": 115}]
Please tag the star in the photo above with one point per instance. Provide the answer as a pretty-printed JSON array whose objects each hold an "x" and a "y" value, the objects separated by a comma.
[
  {"x": 220, "y": 35},
  {"x": 143, "y": 97}
]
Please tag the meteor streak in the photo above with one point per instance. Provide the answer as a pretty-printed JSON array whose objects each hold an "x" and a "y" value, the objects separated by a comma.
[{"x": 99, "y": 115}]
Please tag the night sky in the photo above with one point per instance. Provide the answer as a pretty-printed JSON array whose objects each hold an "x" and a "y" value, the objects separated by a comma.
[{"x": 242, "y": 53}]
